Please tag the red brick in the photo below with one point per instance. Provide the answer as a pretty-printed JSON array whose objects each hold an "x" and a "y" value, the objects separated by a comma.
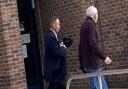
[{"x": 10, "y": 48}]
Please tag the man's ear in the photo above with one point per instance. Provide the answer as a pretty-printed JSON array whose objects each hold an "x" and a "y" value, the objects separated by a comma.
[
  {"x": 94, "y": 17},
  {"x": 53, "y": 25}
]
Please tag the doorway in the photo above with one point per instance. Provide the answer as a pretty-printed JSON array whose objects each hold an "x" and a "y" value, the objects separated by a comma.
[{"x": 30, "y": 44}]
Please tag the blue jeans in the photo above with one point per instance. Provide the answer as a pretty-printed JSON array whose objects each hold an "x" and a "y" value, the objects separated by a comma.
[{"x": 94, "y": 80}]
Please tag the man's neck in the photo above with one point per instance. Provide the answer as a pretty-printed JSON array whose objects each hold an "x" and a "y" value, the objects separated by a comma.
[{"x": 53, "y": 30}]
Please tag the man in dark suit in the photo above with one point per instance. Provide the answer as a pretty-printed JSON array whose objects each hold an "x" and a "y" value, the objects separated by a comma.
[
  {"x": 89, "y": 52},
  {"x": 55, "y": 57}
]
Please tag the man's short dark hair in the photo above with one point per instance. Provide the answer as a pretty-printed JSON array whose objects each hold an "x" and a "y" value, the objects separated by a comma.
[{"x": 53, "y": 19}]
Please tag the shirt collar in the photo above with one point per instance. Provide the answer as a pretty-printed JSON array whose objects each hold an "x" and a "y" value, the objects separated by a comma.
[
  {"x": 54, "y": 32},
  {"x": 90, "y": 18}
]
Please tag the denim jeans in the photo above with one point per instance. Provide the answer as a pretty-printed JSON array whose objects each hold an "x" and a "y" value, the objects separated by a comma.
[{"x": 94, "y": 80}]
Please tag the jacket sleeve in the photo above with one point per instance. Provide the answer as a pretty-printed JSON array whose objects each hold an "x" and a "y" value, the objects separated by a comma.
[
  {"x": 54, "y": 48},
  {"x": 93, "y": 42}
]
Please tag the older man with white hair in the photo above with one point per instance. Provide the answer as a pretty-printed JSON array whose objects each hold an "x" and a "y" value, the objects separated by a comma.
[{"x": 89, "y": 52}]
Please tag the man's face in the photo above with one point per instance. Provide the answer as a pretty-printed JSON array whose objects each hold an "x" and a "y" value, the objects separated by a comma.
[{"x": 56, "y": 25}]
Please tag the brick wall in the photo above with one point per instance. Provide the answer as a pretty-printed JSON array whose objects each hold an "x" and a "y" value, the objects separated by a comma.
[
  {"x": 112, "y": 29},
  {"x": 114, "y": 24},
  {"x": 12, "y": 71}
]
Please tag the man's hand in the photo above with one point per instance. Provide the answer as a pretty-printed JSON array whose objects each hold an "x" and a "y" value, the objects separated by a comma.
[
  {"x": 108, "y": 60},
  {"x": 82, "y": 70},
  {"x": 62, "y": 44}
]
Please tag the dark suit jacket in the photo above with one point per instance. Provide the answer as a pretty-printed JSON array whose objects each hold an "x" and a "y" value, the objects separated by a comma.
[
  {"x": 54, "y": 61},
  {"x": 89, "y": 52}
]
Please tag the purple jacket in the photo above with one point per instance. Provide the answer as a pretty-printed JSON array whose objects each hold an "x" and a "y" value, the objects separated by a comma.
[{"x": 89, "y": 52}]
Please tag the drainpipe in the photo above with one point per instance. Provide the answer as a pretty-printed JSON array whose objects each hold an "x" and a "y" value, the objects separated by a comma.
[{"x": 42, "y": 35}]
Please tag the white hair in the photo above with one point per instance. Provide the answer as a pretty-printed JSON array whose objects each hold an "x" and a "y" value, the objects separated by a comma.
[{"x": 91, "y": 11}]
